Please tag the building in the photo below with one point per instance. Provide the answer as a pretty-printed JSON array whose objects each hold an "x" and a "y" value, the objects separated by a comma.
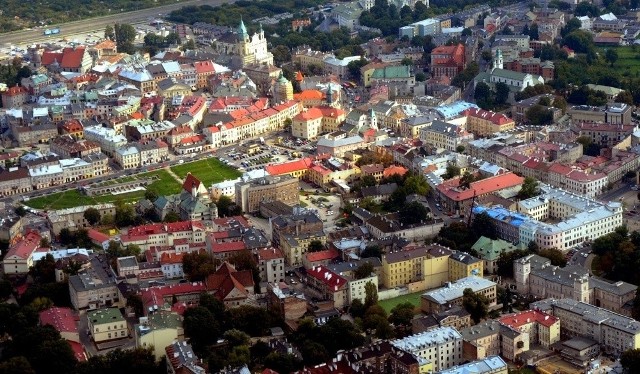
[
  {"x": 71, "y": 59},
  {"x": 441, "y": 346},
  {"x": 463, "y": 265},
  {"x": 296, "y": 244},
  {"x": 248, "y": 49},
  {"x": 443, "y": 135},
  {"x": 230, "y": 286},
  {"x": 426, "y": 267},
  {"x": 482, "y": 122},
  {"x": 271, "y": 265},
  {"x": 458, "y": 201},
  {"x": 310, "y": 123},
  {"x": 331, "y": 286},
  {"x": 250, "y": 194},
  {"x": 534, "y": 275},
  {"x": 182, "y": 360},
  {"x": 300, "y": 222},
  {"x": 613, "y": 113},
  {"x": 497, "y": 74},
  {"x": 490, "y": 250},
  {"x": 158, "y": 330},
  {"x": 543, "y": 329},
  {"x": 95, "y": 286},
  {"x": 441, "y": 299},
  {"x": 14, "y": 97},
  {"x": 73, "y": 218},
  {"x": 615, "y": 333},
  {"x": 447, "y": 61},
  {"x": 164, "y": 234},
  {"x": 107, "y": 324},
  {"x": 19, "y": 258},
  {"x": 488, "y": 365}
]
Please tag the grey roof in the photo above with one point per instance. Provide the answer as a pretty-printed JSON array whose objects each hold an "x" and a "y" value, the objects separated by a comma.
[
  {"x": 579, "y": 343},
  {"x": 129, "y": 261},
  {"x": 617, "y": 288},
  {"x": 453, "y": 291},
  {"x": 465, "y": 258},
  {"x": 98, "y": 276},
  {"x": 381, "y": 190}
]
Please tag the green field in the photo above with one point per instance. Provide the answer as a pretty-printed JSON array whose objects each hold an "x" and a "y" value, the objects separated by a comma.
[
  {"x": 628, "y": 57},
  {"x": 165, "y": 185},
  {"x": 413, "y": 298},
  {"x": 209, "y": 170}
]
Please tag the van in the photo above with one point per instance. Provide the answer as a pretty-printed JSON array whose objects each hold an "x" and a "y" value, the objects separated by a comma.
[{"x": 181, "y": 162}]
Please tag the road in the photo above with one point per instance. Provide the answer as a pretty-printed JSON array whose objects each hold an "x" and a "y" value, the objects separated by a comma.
[{"x": 99, "y": 23}]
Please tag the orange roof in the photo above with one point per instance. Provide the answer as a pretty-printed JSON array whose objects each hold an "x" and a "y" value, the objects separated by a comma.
[
  {"x": 15, "y": 90},
  {"x": 496, "y": 118},
  {"x": 25, "y": 247},
  {"x": 105, "y": 44},
  {"x": 492, "y": 184},
  {"x": 309, "y": 95},
  {"x": 171, "y": 258},
  {"x": 299, "y": 76},
  {"x": 289, "y": 167},
  {"x": 327, "y": 254},
  {"x": 519, "y": 319},
  {"x": 269, "y": 254},
  {"x": 137, "y": 115},
  {"x": 394, "y": 169},
  {"x": 308, "y": 115}
]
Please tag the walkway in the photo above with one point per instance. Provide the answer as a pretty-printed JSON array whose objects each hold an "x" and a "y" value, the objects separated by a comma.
[{"x": 177, "y": 178}]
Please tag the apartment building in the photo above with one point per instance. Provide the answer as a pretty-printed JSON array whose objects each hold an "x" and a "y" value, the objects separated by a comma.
[
  {"x": 19, "y": 258},
  {"x": 282, "y": 188},
  {"x": 14, "y": 181},
  {"x": 157, "y": 331},
  {"x": 271, "y": 265},
  {"x": 463, "y": 265},
  {"x": 296, "y": 244},
  {"x": 450, "y": 295},
  {"x": 447, "y": 61},
  {"x": 428, "y": 266},
  {"x": 331, "y": 286},
  {"x": 443, "y": 135},
  {"x": 441, "y": 346},
  {"x": 164, "y": 234},
  {"x": 614, "y": 113},
  {"x": 107, "y": 324},
  {"x": 534, "y": 275},
  {"x": 310, "y": 123},
  {"x": 301, "y": 221},
  {"x": 95, "y": 286},
  {"x": 482, "y": 122},
  {"x": 575, "y": 219},
  {"x": 73, "y": 218},
  {"x": 67, "y": 147},
  {"x": 615, "y": 333},
  {"x": 488, "y": 365}
]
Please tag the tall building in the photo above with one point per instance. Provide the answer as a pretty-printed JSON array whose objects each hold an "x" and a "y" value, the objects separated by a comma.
[
  {"x": 249, "y": 49},
  {"x": 441, "y": 346},
  {"x": 250, "y": 194},
  {"x": 282, "y": 90}
]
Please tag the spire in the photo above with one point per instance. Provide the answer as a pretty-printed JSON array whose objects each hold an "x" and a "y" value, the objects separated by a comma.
[
  {"x": 242, "y": 29},
  {"x": 329, "y": 95}
]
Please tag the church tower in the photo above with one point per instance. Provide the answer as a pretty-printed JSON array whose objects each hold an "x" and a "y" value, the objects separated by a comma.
[
  {"x": 373, "y": 120},
  {"x": 243, "y": 34},
  {"x": 329, "y": 95},
  {"x": 498, "y": 63}
]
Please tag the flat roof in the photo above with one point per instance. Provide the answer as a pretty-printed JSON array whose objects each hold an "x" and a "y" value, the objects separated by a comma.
[{"x": 455, "y": 290}]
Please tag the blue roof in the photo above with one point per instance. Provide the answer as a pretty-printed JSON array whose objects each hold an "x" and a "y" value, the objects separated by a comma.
[
  {"x": 502, "y": 214},
  {"x": 452, "y": 110}
]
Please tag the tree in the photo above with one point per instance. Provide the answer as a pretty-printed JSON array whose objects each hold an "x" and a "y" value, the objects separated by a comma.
[
  {"x": 611, "y": 56},
  {"x": 452, "y": 171},
  {"x": 125, "y": 214},
  {"x": 197, "y": 266},
  {"x": 416, "y": 183},
  {"x": 227, "y": 207},
  {"x": 538, "y": 115},
  {"x": 92, "y": 215},
  {"x": 45, "y": 243},
  {"x": 190, "y": 45},
  {"x": 502, "y": 93},
  {"x": 66, "y": 237},
  {"x": 529, "y": 189},
  {"x": 421, "y": 77},
  {"x": 483, "y": 96},
  {"x": 572, "y": 25},
  {"x": 486, "y": 56},
  {"x": 368, "y": 181},
  {"x": 556, "y": 257},
  {"x": 315, "y": 246},
  {"x": 483, "y": 225},
  {"x": 171, "y": 217},
  {"x": 235, "y": 337},
  {"x": 354, "y": 68},
  {"x": 374, "y": 250},
  {"x": 589, "y": 148},
  {"x": 5, "y": 289},
  {"x": 585, "y": 8},
  {"x": 200, "y": 326},
  {"x": 625, "y": 97},
  {"x": 125, "y": 36},
  {"x": 402, "y": 314},
  {"x": 357, "y": 308},
  {"x": 371, "y": 295},
  {"x": 44, "y": 270},
  {"x": 476, "y": 304},
  {"x": 109, "y": 32},
  {"x": 281, "y": 54},
  {"x": 466, "y": 180},
  {"x": 630, "y": 361},
  {"x": 580, "y": 41},
  {"x": 21, "y": 211},
  {"x": 363, "y": 271},
  {"x": 412, "y": 213},
  {"x": 16, "y": 365},
  {"x": 150, "y": 195},
  {"x": 505, "y": 262},
  {"x": 134, "y": 301}
]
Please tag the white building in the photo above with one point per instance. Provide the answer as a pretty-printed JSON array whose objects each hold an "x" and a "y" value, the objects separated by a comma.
[
  {"x": 442, "y": 346},
  {"x": 109, "y": 139}
]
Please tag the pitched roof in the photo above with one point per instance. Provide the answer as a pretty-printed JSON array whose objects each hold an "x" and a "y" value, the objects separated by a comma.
[
  {"x": 61, "y": 319},
  {"x": 332, "y": 280},
  {"x": 25, "y": 247},
  {"x": 328, "y": 254},
  {"x": 227, "y": 278},
  {"x": 485, "y": 186},
  {"x": 289, "y": 167}
]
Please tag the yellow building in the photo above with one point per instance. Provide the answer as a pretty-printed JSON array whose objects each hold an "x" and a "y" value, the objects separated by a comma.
[
  {"x": 321, "y": 175},
  {"x": 483, "y": 122},
  {"x": 282, "y": 89},
  {"x": 159, "y": 330},
  {"x": 107, "y": 324},
  {"x": 312, "y": 122},
  {"x": 297, "y": 168},
  {"x": 463, "y": 265},
  {"x": 428, "y": 265},
  {"x": 295, "y": 246}
]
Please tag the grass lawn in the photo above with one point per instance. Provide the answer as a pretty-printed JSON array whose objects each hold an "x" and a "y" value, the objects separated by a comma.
[
  {"x": 209, "y": 170},
  {"x": 628, "y": 57},
  {"x": 165, "y": 185},
  {"x": 413, "y": 298}
]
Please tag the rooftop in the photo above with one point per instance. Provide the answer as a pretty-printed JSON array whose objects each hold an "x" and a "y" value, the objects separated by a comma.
[
  {"x": 455, "y": 290},
  {"x": 105, "y": 315},
  {"x": 489, "y": 364},
  {"x": 433, "y": 337}
]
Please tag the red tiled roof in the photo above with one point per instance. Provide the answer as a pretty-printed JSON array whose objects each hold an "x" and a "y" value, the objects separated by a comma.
[
  {"x": 496, "y": 118},
  {"x": 158, "y": 228},
  {"x": 61, "y": 319},
  {"x": 96, "y": 236},
  {"x": 78, "y": 351},
  {"x": 25, "y": 247},
  {"x": 333, "y": 281},
  {"x": 394, "y": 169},
  {"x": 155, "y": 295},
  {"x": 289, "y": 167},
  {"x": 68, "y": 58},
  {"x": 492, "y": 184},
  {"x": 171, "y": 258},
  {"x": 228, "y": 247},
  {"x": 15, "y": 90},
  {"x": 227, "y": 278},
  {"x": 327, "y": 254},
  {"x": 560, "y": 169},
  {"x": 519, "y": 319},
  {"x": 204, "y": 67},
  {"x": 269, "y": 254}
]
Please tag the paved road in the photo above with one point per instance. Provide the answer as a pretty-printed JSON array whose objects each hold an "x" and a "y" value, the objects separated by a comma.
[{"x": 98, "y": 23}]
